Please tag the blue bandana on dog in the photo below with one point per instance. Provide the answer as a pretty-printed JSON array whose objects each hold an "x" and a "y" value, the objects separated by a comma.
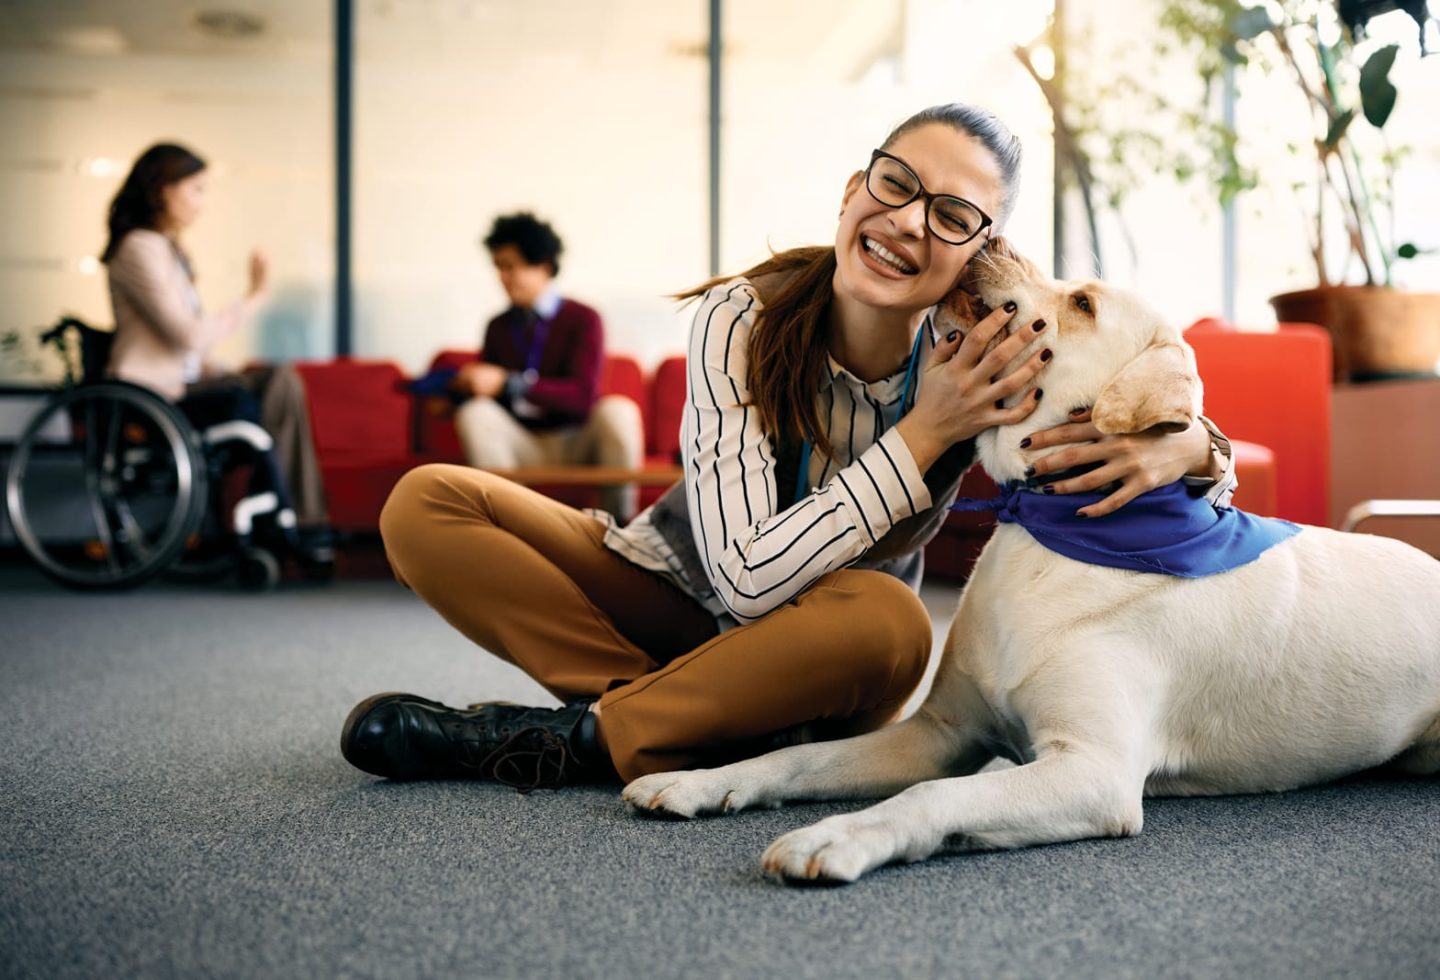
[{"x": 1166, "y": 531}]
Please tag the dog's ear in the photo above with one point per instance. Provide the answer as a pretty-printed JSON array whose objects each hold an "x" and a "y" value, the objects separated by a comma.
[{"x": 1160, "y": 387}]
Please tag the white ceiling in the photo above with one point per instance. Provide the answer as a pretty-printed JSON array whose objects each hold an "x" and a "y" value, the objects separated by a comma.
[{"x": 840, "y": 38}]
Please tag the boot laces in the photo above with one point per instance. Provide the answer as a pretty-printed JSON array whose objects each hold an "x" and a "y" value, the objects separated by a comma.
[{"x": 532, "y": 758}]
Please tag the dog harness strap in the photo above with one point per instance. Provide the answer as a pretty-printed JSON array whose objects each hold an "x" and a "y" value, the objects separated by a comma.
[{"x": 1166, "y": 531}]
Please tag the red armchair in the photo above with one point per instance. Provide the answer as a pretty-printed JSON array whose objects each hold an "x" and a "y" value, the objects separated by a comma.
[
  {"x": 1269, "y": 392},
  {"x": 1273, "y": 389},
  {"x": 360, "y": 419}
]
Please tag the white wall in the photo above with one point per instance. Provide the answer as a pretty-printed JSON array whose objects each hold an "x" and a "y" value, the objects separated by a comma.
[
  {"x": 595, "y": 117},
  {"x": 75, "y": 122},
  {"x": 612, "y": 156}
]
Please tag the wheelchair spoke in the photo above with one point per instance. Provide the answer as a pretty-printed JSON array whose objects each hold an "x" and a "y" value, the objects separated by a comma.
[
  {"x": 89, "y": 437},
  {"x": 134, "y": 537},
  {"x": 92, "y": 490},
  {"x": 112, "y": 438},
  {"x": 102, "y": 528}
]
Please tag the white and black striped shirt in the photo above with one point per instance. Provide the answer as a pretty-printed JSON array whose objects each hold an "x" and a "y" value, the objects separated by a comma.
[{"x": 757, "y": 556}]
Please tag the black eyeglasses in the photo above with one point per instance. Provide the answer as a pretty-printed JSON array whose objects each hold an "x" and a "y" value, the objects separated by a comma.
[{"x": 951, "y": 219}]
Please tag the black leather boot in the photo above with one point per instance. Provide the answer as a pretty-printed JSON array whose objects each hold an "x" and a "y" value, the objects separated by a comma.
[{"x": 401, "y": 736}]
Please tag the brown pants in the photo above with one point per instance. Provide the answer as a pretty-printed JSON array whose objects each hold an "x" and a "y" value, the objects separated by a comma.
[{"x": 531, "y": 580}]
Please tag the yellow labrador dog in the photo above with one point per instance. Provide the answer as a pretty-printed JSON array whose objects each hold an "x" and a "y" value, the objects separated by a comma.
[{"x": 1319, "y": 658}]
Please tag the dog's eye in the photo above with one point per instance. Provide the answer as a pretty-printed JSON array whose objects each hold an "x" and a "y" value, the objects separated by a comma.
[{"x": 1083, "y": 303}]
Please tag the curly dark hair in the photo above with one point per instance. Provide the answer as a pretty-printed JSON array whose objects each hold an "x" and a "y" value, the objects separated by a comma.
[
  {"x": 535, "y": 239},
  {"x": 140, "y": 202}
]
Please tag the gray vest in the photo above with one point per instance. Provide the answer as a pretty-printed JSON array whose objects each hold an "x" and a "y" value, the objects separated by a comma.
[{"x": 899, "y": 553}]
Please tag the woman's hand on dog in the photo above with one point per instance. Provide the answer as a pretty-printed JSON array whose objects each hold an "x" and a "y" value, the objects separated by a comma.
[
  {"x": 965, "y": 383},
  {"x": 1137, "y": 462}
]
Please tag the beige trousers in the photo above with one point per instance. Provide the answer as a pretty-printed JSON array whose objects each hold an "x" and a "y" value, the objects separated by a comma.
[
  {"x": 614, "y": 435},
  {"x": 531, "y": 581},
  {"x": 285, "y": 414}
]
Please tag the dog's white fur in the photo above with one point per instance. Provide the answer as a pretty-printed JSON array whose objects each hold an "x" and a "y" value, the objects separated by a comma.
[{"x": 1319, "y": 659}]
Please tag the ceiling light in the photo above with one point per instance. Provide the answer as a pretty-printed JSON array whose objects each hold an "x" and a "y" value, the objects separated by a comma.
[
  {"x": 229, "y": 24},
  {"x": 101, "y": 167}
]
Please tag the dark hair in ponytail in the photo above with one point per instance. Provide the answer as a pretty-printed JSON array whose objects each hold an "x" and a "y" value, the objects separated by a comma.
[
  {"x": 787, "y": 351},
  {"x": 140, "y": 201},
  {"x": 986, "y": 128}
]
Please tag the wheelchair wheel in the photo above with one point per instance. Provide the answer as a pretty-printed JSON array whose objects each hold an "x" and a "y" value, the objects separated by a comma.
[
  {"x": 105, "y": 486},
  {"x": 257, "y": 569}
]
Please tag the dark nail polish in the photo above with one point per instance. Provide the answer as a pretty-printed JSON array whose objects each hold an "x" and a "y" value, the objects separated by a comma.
[
  {"x": 1025, "y": 443},
  {"x": 1038, "y": 325},
  {"x": 1077, "y": 411},
  {"x": 1081, "y": 514},
  {"x": 999, "y": 403},
  {"x": 950, "y": 337},
  {"x": 1046, "y": 354},
  {"x": 1039, "y": 393},
  {"x": 1010, "y": 307},
  {"x": 1047, "y": 488},
  {"x": 1029, "y": 471}
]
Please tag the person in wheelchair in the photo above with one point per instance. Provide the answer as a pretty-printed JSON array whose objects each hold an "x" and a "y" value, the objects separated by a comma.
[{"x": 162, "y": 336}]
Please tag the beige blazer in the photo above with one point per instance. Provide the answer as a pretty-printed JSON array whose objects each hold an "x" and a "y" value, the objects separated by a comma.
[{"x": 161, "y": 334}]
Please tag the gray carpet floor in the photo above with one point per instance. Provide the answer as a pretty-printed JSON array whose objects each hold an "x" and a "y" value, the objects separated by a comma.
[{"x": 173, "y": 803}]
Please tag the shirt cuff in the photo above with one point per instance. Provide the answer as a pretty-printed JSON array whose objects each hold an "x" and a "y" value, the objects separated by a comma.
[{"x": 1218, "y": 492}]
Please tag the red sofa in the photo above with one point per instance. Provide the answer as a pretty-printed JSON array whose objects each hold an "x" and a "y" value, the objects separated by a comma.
[
  {"x": 1269, "y": 392},
  {"x": 369, "y": 429},
  {"x": 360, "y": 415}
]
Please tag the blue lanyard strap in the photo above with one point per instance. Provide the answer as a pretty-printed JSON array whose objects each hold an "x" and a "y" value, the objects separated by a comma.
[{"x": 802, "y": 478}]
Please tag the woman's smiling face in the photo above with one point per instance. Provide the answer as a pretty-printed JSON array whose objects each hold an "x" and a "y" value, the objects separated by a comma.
[{"x": 887, "y": 257}]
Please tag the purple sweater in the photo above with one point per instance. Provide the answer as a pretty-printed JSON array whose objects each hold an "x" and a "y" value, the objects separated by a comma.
[{"x": 569, "y": 363}]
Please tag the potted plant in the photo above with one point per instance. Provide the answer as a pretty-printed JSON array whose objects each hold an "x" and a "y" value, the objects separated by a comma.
[{"x": 1342, "y": 83}]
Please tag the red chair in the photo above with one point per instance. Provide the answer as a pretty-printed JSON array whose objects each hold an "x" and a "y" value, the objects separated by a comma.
[
  {"x": 359, "y": 417},
  {"x": 667, "y": 408},
  {"x": 1273, "y": 389},
  {"x": 435, "y": 434}
]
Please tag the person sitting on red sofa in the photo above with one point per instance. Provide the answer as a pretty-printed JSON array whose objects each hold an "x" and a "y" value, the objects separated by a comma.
[{"x": 532, "y": 397}]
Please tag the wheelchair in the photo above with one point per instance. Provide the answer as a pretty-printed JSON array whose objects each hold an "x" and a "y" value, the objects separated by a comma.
[{"x": 110, "y": 485}]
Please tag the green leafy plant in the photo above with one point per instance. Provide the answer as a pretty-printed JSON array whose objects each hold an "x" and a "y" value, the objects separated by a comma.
[
  {"x": 1342, "y": 80},
  {"x": 20, "y": 355},
  {"x": 1116, "y": 129}
]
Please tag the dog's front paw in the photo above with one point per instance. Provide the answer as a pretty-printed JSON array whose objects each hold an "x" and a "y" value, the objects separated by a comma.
[
  {"x": 837, "y": 850},
  {"x": 680, "y": 794}
]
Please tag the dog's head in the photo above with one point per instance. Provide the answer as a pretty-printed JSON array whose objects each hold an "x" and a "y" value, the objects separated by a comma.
[{"x": 1112, "y": 352}]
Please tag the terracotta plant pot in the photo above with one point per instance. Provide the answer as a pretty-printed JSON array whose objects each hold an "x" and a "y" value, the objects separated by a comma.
[{"x": 1377, "y": 331}]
